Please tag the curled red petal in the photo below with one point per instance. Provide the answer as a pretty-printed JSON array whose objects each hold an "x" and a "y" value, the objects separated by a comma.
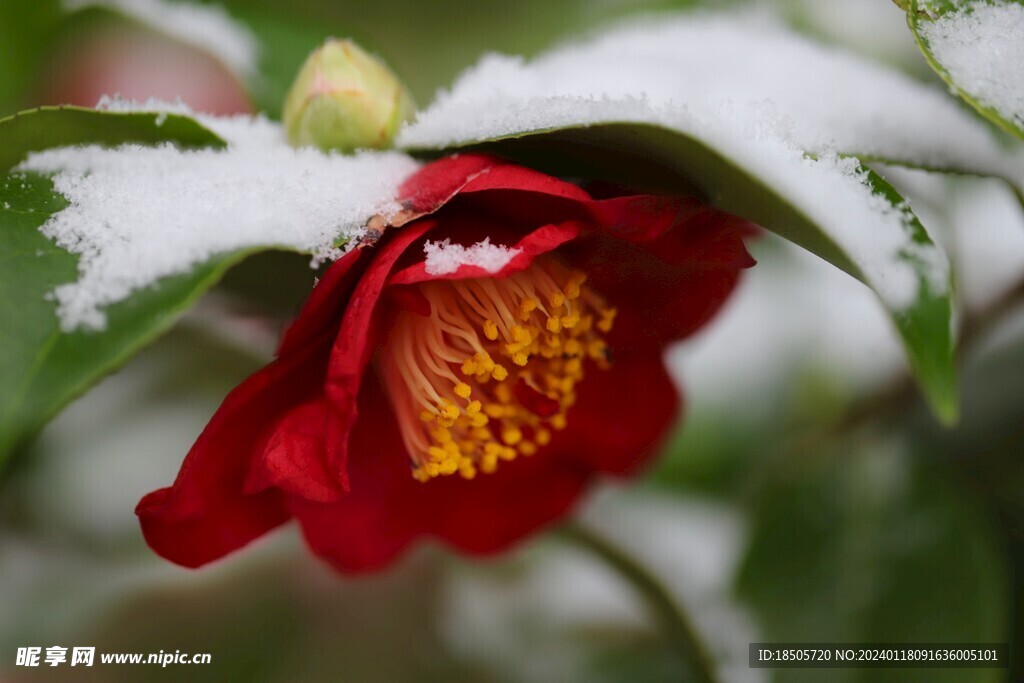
[
  {"x": 294, "y": 458},
  {"x": 387, "y": 509},
  {"x": 207, "y": 512},
  {"x": 356, "y": 340}
]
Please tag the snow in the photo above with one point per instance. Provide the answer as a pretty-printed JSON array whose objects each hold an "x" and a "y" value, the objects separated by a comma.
[
  {"x": 207, "y": 27},
  {"x": 140, "y": 213},
  {"x": 444, "y": 257},
  {"x": 981, "y": 46},
  {"x": 704, "y": 63},
  {"x": 761, "y": 97}
]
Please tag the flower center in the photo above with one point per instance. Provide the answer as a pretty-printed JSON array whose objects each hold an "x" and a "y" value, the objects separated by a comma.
[{"x": 493, "y": 368}]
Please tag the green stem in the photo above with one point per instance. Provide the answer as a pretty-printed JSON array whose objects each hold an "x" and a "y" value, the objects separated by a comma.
[{"x": 673, "y": 621}]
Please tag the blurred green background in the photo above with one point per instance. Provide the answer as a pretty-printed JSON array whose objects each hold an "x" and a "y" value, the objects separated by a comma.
[{"x": 810, "y": 497}]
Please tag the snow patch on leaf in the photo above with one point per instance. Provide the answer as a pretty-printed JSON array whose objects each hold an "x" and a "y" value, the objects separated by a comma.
[
  {"x": 138, "y": 213},
  {"x": 981, "y": 46},
  {"x": 759, "y": 96}
]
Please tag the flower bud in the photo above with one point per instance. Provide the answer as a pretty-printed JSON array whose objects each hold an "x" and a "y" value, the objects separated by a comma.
[{"x": 345, "y": 99}]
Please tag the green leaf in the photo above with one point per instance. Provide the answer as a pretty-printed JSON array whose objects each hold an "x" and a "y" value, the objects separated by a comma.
[
  {"x": 648, "y": 155},
  {"x": 41, "y": 367},
  {"x": 921, "y": 14},
  {"x": 47, "y": 127},
  {"x": 875, "y": 546}
]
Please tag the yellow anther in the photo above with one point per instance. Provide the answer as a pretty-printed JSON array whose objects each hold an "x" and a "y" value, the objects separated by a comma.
[
  {"x": 463, "y": 390},
  {"x": 556, "y": 299},
  {"x": 489, "y": 464},
  {"x": 499, "y": 373},
  {"x": 479, "y": 420},
  {"x": 503, "y": 393},
  {"x": 511, "y": 436},
  {"x": 427, "y": 415},
  {"x": 542, "y": 437},
  {"x": 527, "y": 448},
  {"x": 520, "y": 358},
  {"x": 473, "y": 408},
  {"x": 572, "y": 347},
  {"x": 485, "y": 362},
  {"x": 570, "y": 321},
  {"x": 448, "y": 467},
  {"x": 492, "y": 449},
  {"x": 468, "y": 472},
  {"x": 607, "y": 319},
  {"x": 436, "y": 454},
  {"x": 526, "y": 307},
  {"x": 559, "y": 421},
  {"x": 554, "y": 325},
  {"x": 449, "y": 413},
  {"x": 441, "y": 435},
  {"x": 469, "y": 367},
  {"x": 494, "y": 410},
  {"x": 576, "y": 280},
  {"x": 432, "y": 469},
  {"x": 508, "y": 454},
  {"x": 490, "y": 330}
]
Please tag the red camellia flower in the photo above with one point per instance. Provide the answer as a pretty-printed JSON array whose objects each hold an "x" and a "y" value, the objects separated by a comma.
[{"x": 414, "y": 399}]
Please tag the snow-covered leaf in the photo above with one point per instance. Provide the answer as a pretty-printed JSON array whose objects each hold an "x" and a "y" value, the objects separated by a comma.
[
  {"x": 760, "y": 122},
  {"x": 106, "y": 243},
  {"x": 977, "y": 47},
  {"x": 41, "y": 367}
]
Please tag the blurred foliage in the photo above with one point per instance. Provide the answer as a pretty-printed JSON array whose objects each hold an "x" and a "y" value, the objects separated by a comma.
[
  {"x": 896, "y": 530},
  {"x": 871, "y": 545},
  {"x": 428, "y": 44}
]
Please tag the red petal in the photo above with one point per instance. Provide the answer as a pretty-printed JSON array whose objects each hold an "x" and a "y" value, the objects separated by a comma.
[
  {"x": 666, "y": 277},
  {"x": 437, "y": 183},
  {"x": 621, "y": 416},
  {"x": 510, "y": 177},
  {"x": 206, "y": 513},
  {"x": 429, "y": 188},
  {"x": 294, "y": 458},
  {"x": 323, "y": 308},
  {"x": 356, "y": 341},
  {"x": 387, "y": 509}
]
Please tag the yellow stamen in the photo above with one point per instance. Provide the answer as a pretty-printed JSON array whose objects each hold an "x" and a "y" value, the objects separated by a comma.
[{"x": 481, "y": 339}]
